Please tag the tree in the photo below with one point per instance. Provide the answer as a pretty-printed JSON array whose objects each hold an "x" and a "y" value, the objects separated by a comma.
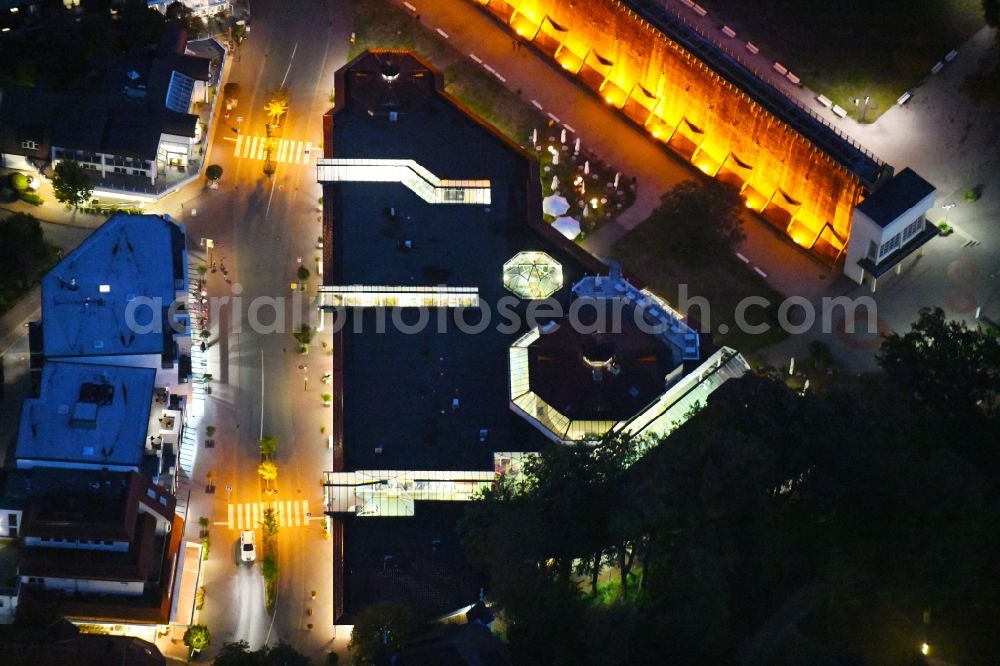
[
  {"x": 268, "y": 470},
  {"x": 302, "y": 273},
  {"x": 19, "y": 182},
  {"x": 182, "y": 15},
  {"x": 277, "y": 106},
  {"x": 197, "y": 637},
  {"x": 24, "y": 256},
  {"x": 213, "y": 172},
  {"x": 71, "y": 183},
  {"x": 268, "y": 445},
  {"x": 269, "y": 523},
  {"x": 269, "y": 567},
  {"x": 304, "y": 335},
  {"x": 991, "y": 12},
  {"x": 944, "y": 362},
  {"x": 702, "y": 220},
  {"x": 380, "y": 629},
  {"x": 231, "y": 90}
]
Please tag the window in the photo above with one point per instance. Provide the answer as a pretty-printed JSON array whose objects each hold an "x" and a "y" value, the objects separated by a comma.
[
  {"x": 913, "y": 229},
  {"x": 889, "y": 246},
  {"x": 872, "y": 250}
]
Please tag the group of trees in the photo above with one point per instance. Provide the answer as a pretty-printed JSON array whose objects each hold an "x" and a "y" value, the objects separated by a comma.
[
  {"x": 698, "y": 220},
  {"x": 198, "y": 637},
  {"x": 771, "y": 527},
  {"x": 77, "y": 42},
  {"x": 24, "y": 256},
  {"x": 240, "y": 654}
]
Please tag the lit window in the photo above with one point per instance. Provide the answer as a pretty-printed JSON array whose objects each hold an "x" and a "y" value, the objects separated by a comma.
[{"x": 105, "y": 288}]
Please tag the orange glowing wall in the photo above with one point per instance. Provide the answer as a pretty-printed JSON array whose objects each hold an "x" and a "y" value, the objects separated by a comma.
[{"x": 703, "y": 117}]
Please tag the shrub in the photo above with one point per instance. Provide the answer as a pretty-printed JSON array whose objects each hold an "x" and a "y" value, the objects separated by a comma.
[
  {"x": 269, "y": 567},
  {"x": 303, "y": 273},
  {"x": 820, "y": 351},
  {"x": 30, "y": 197},
  {"x": 19, "y": 182},
  {"x": 213, "y": 172},
  {"x": 304, "y": 335}
]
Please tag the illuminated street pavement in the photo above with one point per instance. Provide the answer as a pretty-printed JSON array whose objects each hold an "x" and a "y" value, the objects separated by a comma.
[{"x": 261, "y": 227}]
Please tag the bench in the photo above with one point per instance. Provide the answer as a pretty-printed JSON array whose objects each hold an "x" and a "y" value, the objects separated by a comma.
[
  {"x": 699, "y": 10},
  {"x": 824, "y": 100},
  {"x": 951, "y": 55},
  {"x": 780, "y": 69},
  {"x": 904, "y": 98},
  {"x": 752, "y": 48},
  {"x": 839, "y": 111},
  {"x": 728, "y": 32},
  {"x": 937, "y": 68},
  {"x": 794, "y": 79}
]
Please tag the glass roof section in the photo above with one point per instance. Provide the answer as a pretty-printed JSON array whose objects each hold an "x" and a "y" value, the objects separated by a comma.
[{"x": 532, "y": 275}]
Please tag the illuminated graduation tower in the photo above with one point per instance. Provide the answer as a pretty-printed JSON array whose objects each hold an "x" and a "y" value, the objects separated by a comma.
[{"x": 800, "y": 173}]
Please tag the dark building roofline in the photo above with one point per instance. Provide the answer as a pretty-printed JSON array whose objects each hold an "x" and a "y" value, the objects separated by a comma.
[{"x": 901, "y": 193}]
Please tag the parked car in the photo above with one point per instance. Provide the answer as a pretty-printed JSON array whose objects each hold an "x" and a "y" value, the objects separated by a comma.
[{"x": 248, "y": 547}]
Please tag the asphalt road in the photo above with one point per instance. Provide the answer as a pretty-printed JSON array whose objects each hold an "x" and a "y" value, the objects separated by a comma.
[{"x": 262, "y": 227}]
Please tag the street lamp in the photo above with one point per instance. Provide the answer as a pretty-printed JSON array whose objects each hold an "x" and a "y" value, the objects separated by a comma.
[
  {"x": 947, "y": 207},
  {"x": 864, "y": 109},
  {"x": 305, "y": 377}
]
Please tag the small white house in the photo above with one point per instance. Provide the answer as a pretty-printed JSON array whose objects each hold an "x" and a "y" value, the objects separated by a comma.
[{"x": 890, "y": 228}]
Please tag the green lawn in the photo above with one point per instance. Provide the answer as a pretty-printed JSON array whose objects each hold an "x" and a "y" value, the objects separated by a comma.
[
  {"x": 723, "y": 282},
  {"x": 854, "y": 48}
]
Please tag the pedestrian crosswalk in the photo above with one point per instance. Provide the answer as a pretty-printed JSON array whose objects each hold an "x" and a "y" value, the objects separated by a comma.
[
  {"x": 250, "y": 515},
  {"x": 284, "y": 151}
]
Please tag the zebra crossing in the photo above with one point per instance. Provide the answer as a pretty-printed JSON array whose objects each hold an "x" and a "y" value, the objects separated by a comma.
[
  {"x": 250, "y": 515},
  {"x": 285, "y": 151}
]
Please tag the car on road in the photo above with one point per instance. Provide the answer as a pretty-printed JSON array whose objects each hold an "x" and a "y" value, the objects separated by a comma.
[{"x": 248, "y": 547}]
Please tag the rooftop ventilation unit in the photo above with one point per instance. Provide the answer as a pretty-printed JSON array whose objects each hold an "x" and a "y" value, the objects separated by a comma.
[{"x": 84, "y": 416}]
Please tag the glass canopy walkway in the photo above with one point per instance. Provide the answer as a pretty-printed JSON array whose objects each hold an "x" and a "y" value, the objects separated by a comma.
[{"x": 422, "y": 182}]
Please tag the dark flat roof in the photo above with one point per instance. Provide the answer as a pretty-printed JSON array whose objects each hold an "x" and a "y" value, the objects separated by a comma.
[
  {"x": 559, "y": 372},
  {"x": 399, "y": 388},
  {"x": 904, "y": 191},
  {"x": 426, "y": 567}
]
